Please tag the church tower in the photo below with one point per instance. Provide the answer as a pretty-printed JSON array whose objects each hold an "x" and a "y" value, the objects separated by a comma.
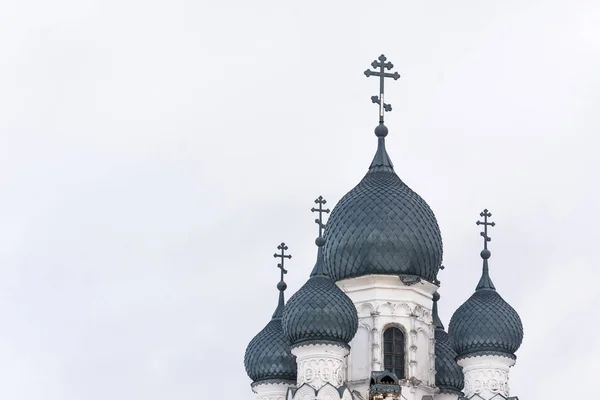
[
  {"x": 269, "y": 361},
  {"x": 384, "y": 249},
  {"x": 486, "y": 333},
  {"x": 320, "y": 321},
  {"x": 365, "y": 325}
]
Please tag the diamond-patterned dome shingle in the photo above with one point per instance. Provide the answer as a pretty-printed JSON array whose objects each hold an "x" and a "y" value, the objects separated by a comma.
[
  {"x": 382, "y": 227},
  {"x": 268, "y": 355},
  {"x": 486, "y": 324},
  {"x": 449, "y": 376},
  {"x": 320, "y": 311}
]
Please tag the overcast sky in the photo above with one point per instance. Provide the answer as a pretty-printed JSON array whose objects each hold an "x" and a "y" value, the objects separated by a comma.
[{"x": 153, "y": 155}]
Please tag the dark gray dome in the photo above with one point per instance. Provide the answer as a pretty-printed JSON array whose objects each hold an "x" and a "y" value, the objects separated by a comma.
[
  {"x": 268, "y": 357},
  {"x": 320, "y": 311},
  {"x": 449, "y": 376},
  {"x": 382, "y": 227},
  {"x": 486, "y": 324}
]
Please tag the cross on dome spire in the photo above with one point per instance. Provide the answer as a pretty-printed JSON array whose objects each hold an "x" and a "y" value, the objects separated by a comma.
[
  {"x": 281, "y": 286},
  {"x": 319, "y": 268},
  {"x": 485, "y": 214},
  {"x": 282, "y": 247},
  {"x": 319, "y": 221},
  {"x": 485, "y": 282},
  {"x": 382, "y": 64}
]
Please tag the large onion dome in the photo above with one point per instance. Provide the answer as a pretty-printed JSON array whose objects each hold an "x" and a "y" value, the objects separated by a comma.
[
  {"x": 486, "y": 324},
  {"x": 320, "y": 312},
  {"x": 449, "y": 376},
  {"x": 382, "y": 227},
  {"x": 268, "y": 358}
]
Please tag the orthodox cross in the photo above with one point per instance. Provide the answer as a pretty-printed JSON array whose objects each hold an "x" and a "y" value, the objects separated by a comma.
[
  {"x": 382, "y": 65},
  {"x": 320, "y": 201},
  {"x": 282, "y": 247},
  {"x": 485, "y": 214}
]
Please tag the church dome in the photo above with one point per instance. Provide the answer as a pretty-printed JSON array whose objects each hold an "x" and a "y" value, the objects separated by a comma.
[
  {"x": 320, "y": 312},
  {"x": 268, "y": 357},
  {"x": 449, "y": 376},
  {"x": 382, "y": 227},
  {"x": 486, "y": 324}
]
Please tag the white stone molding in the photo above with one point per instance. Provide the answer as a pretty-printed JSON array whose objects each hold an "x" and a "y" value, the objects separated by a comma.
[
  {"x": 327, "y": 392},
  {"x": 271, "y": 391},
  {"x": 319, "y": 364},
  {"x": 376, "y": 348},
  {"x": 486, "y": 376},
  {"x": 303, "y": 393}
]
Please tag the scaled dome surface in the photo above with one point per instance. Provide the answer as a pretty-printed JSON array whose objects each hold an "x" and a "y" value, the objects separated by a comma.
[
  {"x": 449, "y": 377},
  {"x": 268, "y": 356},
  {"x": 320, "y": 312},
  {"x": 486, "y": 325},
  {"x": 382, "y": 227}
]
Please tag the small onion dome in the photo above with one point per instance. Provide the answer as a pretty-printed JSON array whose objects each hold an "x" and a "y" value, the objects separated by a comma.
[
  {"x": 268, "y": 357},
  {"x": 382, "y": 227},
  {"x": 320, "y": 312},
  {"x": 449, "y": 376},
  {"x": 486, "y": 324}
]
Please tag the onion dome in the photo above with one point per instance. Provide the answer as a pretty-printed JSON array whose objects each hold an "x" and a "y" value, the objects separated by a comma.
[
  {"x": 268, "y": 358},
  {"x": 320, "y": 312},
  {"x": 383, "y": 227},
  {"x": 486, "y": 324},
  {"x": 449, "y": 376}
]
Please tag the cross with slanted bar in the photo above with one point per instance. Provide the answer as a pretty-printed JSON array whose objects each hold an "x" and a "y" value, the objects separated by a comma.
[
  {"x": 382, "y": 65},
  {"x": 282, "y": 247},
  {"x": 485, "y": 214},
  {"x": 320, "y": 201}
]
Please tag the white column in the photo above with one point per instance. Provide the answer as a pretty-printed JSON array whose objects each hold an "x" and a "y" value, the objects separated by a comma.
[
  {"x": 319, "y": 364},
  {"x": 486, "y": 375},
  {"x": 271, "y": 391}
]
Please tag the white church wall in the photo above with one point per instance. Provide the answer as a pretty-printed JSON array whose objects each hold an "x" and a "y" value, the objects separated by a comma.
[
  {"x": 486, "y": 375},
  {"x": 359, "y": 360},
  {"x": 445, "y": 396},
  {"x": 320, "y": 364},
  {"x": 271, "y": 391},
  {"x": 384, "y": 301}
]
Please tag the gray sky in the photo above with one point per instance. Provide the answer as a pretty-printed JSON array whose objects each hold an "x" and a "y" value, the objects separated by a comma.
[{"x": 153, "y": 154}]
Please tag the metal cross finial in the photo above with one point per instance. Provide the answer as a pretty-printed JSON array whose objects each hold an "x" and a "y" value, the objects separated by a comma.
[
  {"x": 320, "y": 201},
  {"x": 282, "y": 247},
  {"x": 485, "y": 214},
  {"x": 382, "y": 65}
]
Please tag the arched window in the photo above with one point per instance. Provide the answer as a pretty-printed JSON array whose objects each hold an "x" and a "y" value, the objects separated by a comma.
[{"x": 393, "y": 351}]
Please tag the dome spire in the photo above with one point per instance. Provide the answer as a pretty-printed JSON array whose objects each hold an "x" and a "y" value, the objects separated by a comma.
[
  {"x": 381, "y": 159},
  {"x": 281, "y": 286},
  {"x": 320, "y": 242},
  {"x": 485, "y": 283},
  {"x": 436, "y": 317}
]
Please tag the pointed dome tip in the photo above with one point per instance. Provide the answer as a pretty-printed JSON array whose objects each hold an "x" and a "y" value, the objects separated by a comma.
[
  {"x": 381, "y": 159},
  {"x": 437, "y": 322},
  {"x": 485, "y": 282}
]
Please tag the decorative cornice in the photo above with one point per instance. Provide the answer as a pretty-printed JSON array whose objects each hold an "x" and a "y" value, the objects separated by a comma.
[
  {"x": 272, "y": 382},
  {"x": 486, "y": 353},
  {"x": 313, "y": 342}
]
